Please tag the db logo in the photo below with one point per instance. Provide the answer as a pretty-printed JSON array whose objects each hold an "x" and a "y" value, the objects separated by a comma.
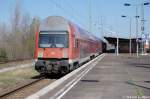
[{"x": 52, "y": 53}]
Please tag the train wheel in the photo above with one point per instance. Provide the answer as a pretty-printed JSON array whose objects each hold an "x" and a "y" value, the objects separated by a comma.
[
  {"x": 76, "y": 66},
  {"x": 91, "y": 57},
  {"x": 65, "y": 70}
]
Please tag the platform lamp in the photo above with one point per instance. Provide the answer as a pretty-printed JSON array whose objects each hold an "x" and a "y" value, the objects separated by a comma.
[
  {"x": 137, "y": 45},
  {"x": 130, "y": 42},
  {"x": 142, "y": 4},
  {"x": 142, "y": 25}
]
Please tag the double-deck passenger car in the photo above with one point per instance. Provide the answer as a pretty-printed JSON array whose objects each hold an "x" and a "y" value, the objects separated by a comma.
[{"x": 62, "y": 46}]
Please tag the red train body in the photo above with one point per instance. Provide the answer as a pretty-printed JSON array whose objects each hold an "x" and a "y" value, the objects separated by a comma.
[{"x": 61, "y": 46}]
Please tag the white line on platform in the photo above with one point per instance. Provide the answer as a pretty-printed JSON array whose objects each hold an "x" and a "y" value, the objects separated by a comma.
[
  {"x": 58, "y": 82},
  {"x": 16, "y": 67},
  {"x": 71, "y": 84}
]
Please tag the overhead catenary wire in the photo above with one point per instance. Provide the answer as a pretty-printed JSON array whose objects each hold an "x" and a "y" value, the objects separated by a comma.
[
  {"x": 75, "y": 12},
  {"x": 66, "y": 11}
]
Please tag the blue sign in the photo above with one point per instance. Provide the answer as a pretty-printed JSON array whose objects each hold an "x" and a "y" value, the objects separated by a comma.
[{"x": 145, "y": 37}]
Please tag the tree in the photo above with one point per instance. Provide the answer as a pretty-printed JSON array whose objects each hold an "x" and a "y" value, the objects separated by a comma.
[
  {"x": 19, "y": 42},
  {"x": 31, "y": 39},
  {"x": 16, "y": 17},
  {"x": 3, "y": 54}
]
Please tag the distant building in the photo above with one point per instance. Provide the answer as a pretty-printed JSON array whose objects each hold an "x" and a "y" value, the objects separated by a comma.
[{"x": 123, "y": 44}]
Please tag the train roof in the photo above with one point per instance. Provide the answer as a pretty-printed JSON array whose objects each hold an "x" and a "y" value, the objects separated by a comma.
[
  {"x": 86, "y": 34},
  {"x": 59, "y": 23},
  {"x": 54, "y": 23}
]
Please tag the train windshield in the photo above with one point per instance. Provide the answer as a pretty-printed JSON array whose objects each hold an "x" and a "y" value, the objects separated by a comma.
[{"x": 53, "y": 40}]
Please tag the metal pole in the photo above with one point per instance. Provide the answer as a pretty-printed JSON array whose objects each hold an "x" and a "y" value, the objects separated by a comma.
[
  {"x": 90, "y": 17},
  {"x": 102, "y": 26},
  {"x": 137, "y": 45},
  {"x": 117, "y": 45},
  {"x": 130, "y": 46},
  {"x": 142, "y": 26}
]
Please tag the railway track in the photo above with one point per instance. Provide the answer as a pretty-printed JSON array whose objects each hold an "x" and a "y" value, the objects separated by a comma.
[
  {"x": 7, "y": 93},
  {"x": 11, "y": 92},
  {"x": 18, "y": 89}
]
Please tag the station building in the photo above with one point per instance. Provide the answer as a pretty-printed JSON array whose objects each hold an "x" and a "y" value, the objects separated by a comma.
[{"x": 123, "y": 44}]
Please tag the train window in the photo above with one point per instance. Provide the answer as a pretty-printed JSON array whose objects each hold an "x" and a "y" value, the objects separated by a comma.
[
  {"x": 77, "y": 43},
  {"x": 53, "y": 40}
]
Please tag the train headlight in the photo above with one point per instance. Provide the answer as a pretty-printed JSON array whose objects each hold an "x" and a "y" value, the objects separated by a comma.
[{"x": 40, "y": 54}]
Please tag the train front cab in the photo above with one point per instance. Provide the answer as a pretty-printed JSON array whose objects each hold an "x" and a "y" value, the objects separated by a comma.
[{"x": 52, "y": 52}]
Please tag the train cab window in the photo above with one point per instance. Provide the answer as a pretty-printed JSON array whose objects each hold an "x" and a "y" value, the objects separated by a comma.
[{"x": 52, "y": 40}]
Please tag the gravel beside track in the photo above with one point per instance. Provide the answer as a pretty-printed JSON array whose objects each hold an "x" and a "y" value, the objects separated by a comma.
[
  {"x": 20, "y": 91},
  {"x": 15, "y": 63},
  {"x": 16, "y": 67}
]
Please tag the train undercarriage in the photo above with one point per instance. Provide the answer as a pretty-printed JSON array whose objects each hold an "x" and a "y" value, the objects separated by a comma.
[
  {"x": 53, "y": 66},
  {"x": 58, "y": 66}
]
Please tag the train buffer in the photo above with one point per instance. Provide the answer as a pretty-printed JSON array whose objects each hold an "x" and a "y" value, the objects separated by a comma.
[{"x": 106, "y": 77}]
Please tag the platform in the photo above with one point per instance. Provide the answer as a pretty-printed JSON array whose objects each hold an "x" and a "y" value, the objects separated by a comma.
[
  {"x": 112, "y": 77},
  {"x": 115, "y": 77}
]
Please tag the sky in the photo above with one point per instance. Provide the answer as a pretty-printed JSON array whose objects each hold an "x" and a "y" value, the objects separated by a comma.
[{"x": 106, "y": 12}]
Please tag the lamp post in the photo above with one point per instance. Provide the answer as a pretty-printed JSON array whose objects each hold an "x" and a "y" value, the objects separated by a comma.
[
  {"x": 130, "y": 42},
  {"x": 137, "y": 45},
  {"x": 142, "y": 25},
  {"x": 142, "y": 4},
  {"x": 137, "y": 37}
]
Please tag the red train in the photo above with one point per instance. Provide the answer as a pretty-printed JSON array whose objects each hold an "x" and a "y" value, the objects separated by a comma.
[{"x": 61, "y": 46}]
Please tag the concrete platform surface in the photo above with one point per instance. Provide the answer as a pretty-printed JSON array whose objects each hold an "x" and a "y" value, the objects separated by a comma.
[
  {"x": 106, "y": 77},
  {"x": 115, "y": 77}
]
